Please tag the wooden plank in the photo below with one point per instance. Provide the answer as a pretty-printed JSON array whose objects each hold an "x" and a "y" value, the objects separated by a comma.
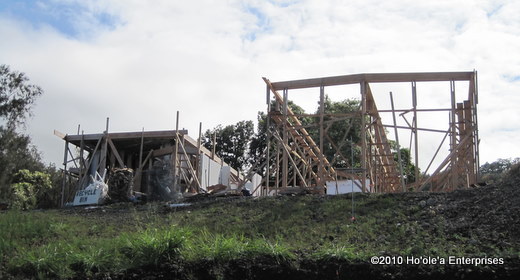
[
  {"x": 116, "y": 153},
  {"x": 418, "y": 128},
  {"x": 415, "y": 131},
  {"x": 321, "y": 169},
  {"x": 373, "y": 78},
  {"x": 60, "y": 134},
  {"x": 64, "y": 181},
  {"x": 363, "y": 88},
  {"x": 166, "y": 134},
  {"x": 296, "y": 122},
  {"x": 444, "y": 163}
]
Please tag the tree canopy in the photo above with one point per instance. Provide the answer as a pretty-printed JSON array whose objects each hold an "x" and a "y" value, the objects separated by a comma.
[
  {"x": 17, "y": 96},
  {"x": 232, "y": 142}
]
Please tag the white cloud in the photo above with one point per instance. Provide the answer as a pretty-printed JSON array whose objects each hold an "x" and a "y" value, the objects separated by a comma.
[{"x": 206, "y": 59}]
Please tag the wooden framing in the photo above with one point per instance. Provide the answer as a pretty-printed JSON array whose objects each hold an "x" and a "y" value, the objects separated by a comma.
[
  {"x": 305, "y": 158},
  {"x": 179, "y": 154}
]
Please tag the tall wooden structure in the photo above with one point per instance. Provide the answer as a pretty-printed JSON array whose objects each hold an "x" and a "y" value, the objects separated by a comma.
[{"x": 301, "y": 156}]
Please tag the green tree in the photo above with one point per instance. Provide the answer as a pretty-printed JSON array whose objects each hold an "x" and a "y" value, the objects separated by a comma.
[
  {"x": 408, "y": 166},
  {"x": 340, "y": 132},
  {"x": 232, "y": 142},
  {"x": 493, "y": 172},
  {"x": 258, "y": 143},
  {"x": 17, "y": 96}
]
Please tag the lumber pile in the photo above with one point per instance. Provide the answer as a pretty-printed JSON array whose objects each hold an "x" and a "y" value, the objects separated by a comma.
[
  {"x": 216, "y": 188},
  {"x": 120, "y": 184}
]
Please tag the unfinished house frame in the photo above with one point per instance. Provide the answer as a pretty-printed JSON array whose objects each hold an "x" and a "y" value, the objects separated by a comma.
[
  {"x": 166, "y": 164},
  {"x": 297, "y": 153}
]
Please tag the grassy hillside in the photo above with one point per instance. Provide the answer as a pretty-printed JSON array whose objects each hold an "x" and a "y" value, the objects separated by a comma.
[{"x": 301, "y": 237}]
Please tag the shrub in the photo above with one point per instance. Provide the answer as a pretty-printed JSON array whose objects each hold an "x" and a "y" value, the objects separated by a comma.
[{"x": 30, "y": 189}]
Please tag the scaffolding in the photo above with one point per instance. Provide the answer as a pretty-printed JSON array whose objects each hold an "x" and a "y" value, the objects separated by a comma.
[{"x": 296, "y": 159}]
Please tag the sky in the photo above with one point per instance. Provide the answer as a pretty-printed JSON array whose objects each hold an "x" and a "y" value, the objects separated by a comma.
[{"x": 139, "y": 62}]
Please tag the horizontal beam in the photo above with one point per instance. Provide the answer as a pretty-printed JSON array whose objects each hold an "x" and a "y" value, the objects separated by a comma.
[
  {"x": 125, "y": 135},
  {"x": 417, "y": 128},
  {"x": 374, "y": 78}
]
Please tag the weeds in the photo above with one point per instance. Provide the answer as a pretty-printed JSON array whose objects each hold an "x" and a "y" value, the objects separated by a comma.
[
  {"x": 53, "y": 244},
  {"x": 153, "y": 246}
]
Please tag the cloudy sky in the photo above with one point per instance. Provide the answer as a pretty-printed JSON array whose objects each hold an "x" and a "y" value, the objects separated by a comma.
[{"x": 138, "y": 62}]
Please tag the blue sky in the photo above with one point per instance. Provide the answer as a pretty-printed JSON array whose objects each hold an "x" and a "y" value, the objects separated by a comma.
[
  {"x": 206, "y": 58},
  {"x": 70, "y": 18}
]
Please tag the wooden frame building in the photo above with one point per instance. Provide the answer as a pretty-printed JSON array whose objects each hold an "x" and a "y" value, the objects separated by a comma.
[
  {"x": 166, "y": 164},
  {"x": 297, "y": 153}
]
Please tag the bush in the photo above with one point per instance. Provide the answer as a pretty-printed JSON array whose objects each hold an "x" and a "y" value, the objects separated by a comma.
[{"x": 30, "y": 190}]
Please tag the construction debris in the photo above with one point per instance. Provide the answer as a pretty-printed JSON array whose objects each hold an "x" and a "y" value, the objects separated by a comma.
[
  {"x": 120, "y": 184},
  {"x": 216, "y": 188}
]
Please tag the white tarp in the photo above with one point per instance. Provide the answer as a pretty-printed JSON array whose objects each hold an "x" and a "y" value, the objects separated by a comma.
[
  {"x": 345, "y": 186},
  {"x": 253, "y": 184},
  {"x": 94, "y": 193}
]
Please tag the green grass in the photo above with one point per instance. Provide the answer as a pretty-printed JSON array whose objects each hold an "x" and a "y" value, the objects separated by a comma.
[{"x": 67, "y": 244}]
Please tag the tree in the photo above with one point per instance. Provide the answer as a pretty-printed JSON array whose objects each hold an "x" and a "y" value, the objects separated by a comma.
[
  {"x": 258, "y": 144},
  {"x": 494, "y": 171},
  {"x": 340, "y": 132},
  {"x": 17, "y": 96},
  {"x": 232, "y": 142},
  {"x": 16, "y": 152},
  {"x": 406, "y": 162}
]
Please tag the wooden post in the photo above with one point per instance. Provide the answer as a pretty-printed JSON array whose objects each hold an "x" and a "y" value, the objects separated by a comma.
[
  {"x": 141, "y": 148},
  {"x": 453, "y": 144},
  {"x": 64, "y": 180},
  {"x": 469, "y": 153},
  {"x": 176, "y": 155},
  {"x": 277, "y": 168},
  {"x": 104, "y": 148},
  {"x": 321, "y": 168},
  {"x": 199, "y": 163},
  {"x": 285, "y": 156},
  {"x": 363, "y": 86},
  {"x": 214, "y": 146},
  {"x": 414, "y": 130},
  {"x": 81, "y": 154},
  {"x": 268, "y": 142},
  {"x": 397, "y": 141}
]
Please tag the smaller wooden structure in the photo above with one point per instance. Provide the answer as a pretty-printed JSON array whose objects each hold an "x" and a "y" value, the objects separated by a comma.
[{"x": 166, "y": 164}]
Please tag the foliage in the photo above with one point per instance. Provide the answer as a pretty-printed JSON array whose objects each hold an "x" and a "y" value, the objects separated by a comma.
[
  {"x": 30, "y": 189},
  {"x": 494, "y": 171},
  {"x": 232, "y": 142},
  {"x": 258, "y": 144},
  {"x": 340, "y": 132},
  {"x": 17, "y": 95},
  {"x": 16, "y": 152},
  {"x": 408, "y": 166},
  {"x": 77, "y": 243}
]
